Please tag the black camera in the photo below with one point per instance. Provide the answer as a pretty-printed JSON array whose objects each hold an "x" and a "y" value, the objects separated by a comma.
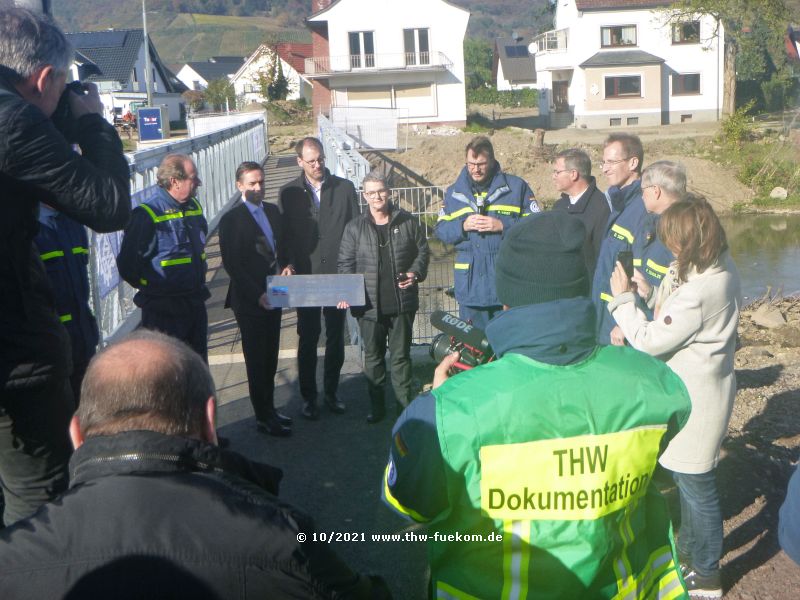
[
  {"x": 62, "y": 116},
  {"x": 459, "y": 336},
  {"x": 625, "y": 258}
]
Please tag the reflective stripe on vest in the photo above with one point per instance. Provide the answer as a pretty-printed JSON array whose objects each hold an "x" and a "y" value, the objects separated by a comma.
[
  {"x": 458, "y": 213},
  {"x": 445, "y": 591},
  {"x": 504, "y": 208},
  {"x": 65, "y": 318},
  {"x": 51, "y": 255},
  {"x": 80, "y": 250},
  {"x": 196, "y": 212},
  {"x": 660, "y": 569},
  {"x": 516, "y": 559}
]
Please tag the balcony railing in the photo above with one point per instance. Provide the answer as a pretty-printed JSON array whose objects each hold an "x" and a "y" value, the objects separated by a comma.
[
  {"x": 551, "y": 41},
  {"x": 356, "y": 63}
]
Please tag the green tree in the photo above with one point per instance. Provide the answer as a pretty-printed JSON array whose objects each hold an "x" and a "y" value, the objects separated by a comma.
[
  {"x": 279, "y": 88},
  {"x": 218, "y": 92},
  {"x": 737, "y": 17},
  {"x": 477, "y": 63}
]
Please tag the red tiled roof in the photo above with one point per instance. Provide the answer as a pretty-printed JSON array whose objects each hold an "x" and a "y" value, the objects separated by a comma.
[
  {"x": 615, "y": 4},
  {"x": 295, "y": 54}
]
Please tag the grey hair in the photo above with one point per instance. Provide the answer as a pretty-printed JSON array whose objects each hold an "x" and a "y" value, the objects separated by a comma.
[
  {"x": 669, "y": 176},
  {"x": 575, "y": 158},
  {"x": 375, "y": 176},
  {"x": 30, "y": 41}
]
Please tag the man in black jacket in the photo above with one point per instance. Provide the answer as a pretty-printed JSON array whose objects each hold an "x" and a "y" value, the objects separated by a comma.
[
  {"x": 37, "y": 164},
  {"x": 253, "y": 245},
  {"x": 572, "y": 176},
  {"x": 317, "y": 206},
  {"x": 156, "y": 509},
  {"x": 388, "y": 246}
]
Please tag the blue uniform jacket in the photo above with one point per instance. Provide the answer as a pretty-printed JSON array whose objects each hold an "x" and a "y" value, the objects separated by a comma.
[
  {"x": 556, "y": 333},
  {"x": 630, "y": 227},
  {"x": 508, "y": 198},
  {"x": 163, "y": 250},
  {"x": 64, "y": 249}
]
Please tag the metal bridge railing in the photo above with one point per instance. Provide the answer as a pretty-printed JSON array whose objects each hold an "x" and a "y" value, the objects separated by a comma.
[{"x": 216, "y": 155}]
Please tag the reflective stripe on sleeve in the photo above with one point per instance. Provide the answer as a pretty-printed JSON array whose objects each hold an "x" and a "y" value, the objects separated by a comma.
[
  {"x": 80, "y": 250},
  {"x": 65, "y": 318},
  {"x": 458, "y": 213},
  {"x": 461, "y": 266},
  {"x": 51, "y": 255},
  {"x": 621, "y": 233}
]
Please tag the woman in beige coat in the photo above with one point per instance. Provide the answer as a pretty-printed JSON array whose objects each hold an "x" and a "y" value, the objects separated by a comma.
[{"x": 694, "y": 331}]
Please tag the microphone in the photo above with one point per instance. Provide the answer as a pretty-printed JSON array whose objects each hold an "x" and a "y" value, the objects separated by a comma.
[{"x": 455, "y": 327}]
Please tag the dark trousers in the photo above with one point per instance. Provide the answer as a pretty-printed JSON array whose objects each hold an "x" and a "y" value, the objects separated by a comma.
[
  {"x": 478, "y": 315},
  {"x": 397, "y": 329},
  {"x": 261, "y": 337},
  {"x": 309, "y": 328},
  {"x": 34, "y": 446},
  {"x": 181, "y": 317},
  {"x": 700, "y": 536}
]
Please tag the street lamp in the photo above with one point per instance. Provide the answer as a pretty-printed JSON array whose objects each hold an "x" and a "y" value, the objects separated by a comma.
[{"x": 147, "y": 67}]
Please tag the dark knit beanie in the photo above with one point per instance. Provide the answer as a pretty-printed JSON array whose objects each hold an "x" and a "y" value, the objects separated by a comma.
[{"x": 541, "y": 259}]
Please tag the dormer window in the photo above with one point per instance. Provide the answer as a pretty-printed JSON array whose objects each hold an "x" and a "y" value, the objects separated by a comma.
[
  {"x": 621, "y": 35},
  {"x": 686, "y": 33}
]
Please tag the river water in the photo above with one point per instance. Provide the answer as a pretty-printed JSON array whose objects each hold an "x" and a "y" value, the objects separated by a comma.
[{"x": 766, "y": 249}]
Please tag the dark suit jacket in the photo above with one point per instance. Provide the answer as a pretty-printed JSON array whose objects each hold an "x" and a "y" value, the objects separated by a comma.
[
  {"x": 593, "y": 210},
  {"x": 314, "y": 235},
  {"x": 247, "y": 255}
]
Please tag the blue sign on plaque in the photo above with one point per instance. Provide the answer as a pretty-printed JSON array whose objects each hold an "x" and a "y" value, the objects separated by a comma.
[{"x": 151, "y": 126}]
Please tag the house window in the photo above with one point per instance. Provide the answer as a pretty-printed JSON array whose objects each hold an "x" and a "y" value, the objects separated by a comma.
[
  {"x": 686, "y": 33},
  {"x": 135, "y": 79},
  {"x": 632, "y": 121},
  {"x": 517, "y": 51},
  {"x": 685, "y": 83},
  {"x": 416, "y": 46},
  {"x": 622, "y": 35},
  {"x": 624, "y": 86},
  {"x": 362, "y": 50},
  {"x": 686, "y": 118},
  {"x": 196, "y": 86},
  {"x": 615, "y": 121}
]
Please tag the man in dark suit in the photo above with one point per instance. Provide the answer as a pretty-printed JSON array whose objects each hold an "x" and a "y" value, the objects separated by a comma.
[
  {"x": 317, "y": 205},
  {"x": 252, "y": 242}
]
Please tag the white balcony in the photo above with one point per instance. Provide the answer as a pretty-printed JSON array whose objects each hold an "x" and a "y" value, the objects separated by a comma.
[
  {"x": 551, "y": 41},
  {"x": 352, "y": 64}
]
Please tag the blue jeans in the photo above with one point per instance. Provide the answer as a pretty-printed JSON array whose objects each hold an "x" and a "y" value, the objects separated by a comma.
[{"x": 700, "y": 536}]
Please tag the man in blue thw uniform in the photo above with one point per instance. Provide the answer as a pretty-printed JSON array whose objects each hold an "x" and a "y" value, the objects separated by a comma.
[
  {"x": 163, "y": 256},
  {"x": 478, "y": 210},
  {"x": 630, "y": 227}
]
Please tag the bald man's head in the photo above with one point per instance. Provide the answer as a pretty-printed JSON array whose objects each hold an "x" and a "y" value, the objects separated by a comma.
[{"x": 147, "y": 381}]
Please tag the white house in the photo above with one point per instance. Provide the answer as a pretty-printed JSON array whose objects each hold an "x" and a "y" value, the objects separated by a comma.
[
  {"x": 387, "y": 54},
  {"x": 626, "y": 63},
  {"x": 115, "y": 61},
  {"x": 292, "y": 60},
  {"x": 197, "y": 75},
  {"x": 514, "y": 67}
]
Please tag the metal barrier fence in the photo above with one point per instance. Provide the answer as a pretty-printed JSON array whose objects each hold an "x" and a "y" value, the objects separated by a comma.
[
  {"x": 340, "y": 152},
  {"x": 216, "y": 155}
]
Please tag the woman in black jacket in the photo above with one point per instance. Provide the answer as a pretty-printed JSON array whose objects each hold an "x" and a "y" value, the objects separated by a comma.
[{"x": 387, "y": 245}]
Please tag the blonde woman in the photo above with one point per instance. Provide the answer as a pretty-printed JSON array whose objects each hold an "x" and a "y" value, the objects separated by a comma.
[{"x": 694, "y": 331}]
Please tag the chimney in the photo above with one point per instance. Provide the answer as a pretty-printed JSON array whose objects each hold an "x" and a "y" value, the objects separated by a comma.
[{"x": 318, "y": 5}]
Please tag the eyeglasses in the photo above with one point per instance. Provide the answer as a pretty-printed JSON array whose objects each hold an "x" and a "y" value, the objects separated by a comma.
[
  {"x": 611, "y": 163},
  {"x": 315, "y": 162},
  {"x": 376, "y": 193},
  {"x": 559, "y": 171},
  {"x": 480, "y": 165}
]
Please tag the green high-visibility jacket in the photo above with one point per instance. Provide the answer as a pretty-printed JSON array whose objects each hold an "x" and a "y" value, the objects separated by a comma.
[{"x": 553, "y": 467}]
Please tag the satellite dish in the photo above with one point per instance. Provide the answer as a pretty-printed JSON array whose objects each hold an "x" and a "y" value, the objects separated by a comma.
[{"x": 532, "y": 48}]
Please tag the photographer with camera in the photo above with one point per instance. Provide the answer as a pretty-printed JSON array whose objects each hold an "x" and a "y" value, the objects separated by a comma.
[
  {"x": 388, "y": 246},
  {"x": 37, "y": 164},
  {"x": 535, "y": 470}
]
